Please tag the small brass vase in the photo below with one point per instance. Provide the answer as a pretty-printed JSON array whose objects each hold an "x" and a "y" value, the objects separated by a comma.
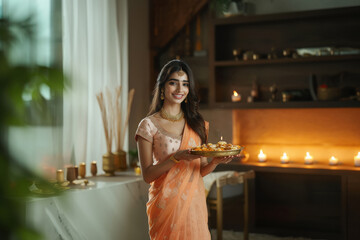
[
  {"x": 108, "y": 164},
  {"x": 117, "y": 161},
  {"x": 120, "y": 159}
]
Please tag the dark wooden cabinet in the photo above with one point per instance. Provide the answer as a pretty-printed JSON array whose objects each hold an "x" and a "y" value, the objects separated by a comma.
[
  {"x": 262, "y": 34},
  {"x": 315, "y": 203},
  {"x": 353, "y": 207}
]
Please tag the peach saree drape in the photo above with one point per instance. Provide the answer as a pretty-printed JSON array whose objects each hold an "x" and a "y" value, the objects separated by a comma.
[{"x": 177, "y": 205}]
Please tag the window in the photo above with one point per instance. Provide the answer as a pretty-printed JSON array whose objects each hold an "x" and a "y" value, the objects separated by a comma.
[{"x": 38, "y": 144}]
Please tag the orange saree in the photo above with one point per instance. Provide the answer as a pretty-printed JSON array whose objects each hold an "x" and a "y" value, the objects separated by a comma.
[{"x": 177, "y": 205}]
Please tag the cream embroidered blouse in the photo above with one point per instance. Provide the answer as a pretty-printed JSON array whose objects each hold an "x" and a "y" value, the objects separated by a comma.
[{"x": 164, "y": 143}]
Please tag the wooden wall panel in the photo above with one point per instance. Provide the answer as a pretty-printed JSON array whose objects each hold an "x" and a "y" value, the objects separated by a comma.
[{"x": 168, "y": 17}]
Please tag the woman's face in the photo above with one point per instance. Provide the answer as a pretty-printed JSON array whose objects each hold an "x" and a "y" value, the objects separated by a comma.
[{"x": 176, "y": 88}]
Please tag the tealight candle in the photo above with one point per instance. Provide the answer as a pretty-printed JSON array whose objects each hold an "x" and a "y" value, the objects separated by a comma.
[
  {"x": 60, "y": 175},
  {"x": 357, "y": 160},
  {"x": 137, "y": 170},
  {"x": 284, "y": 158},
  {"x": 333, "y": 161},
  {"x": 308, "y": 158},
  {"x": 221, "y": 142},
  {"x": 262, "y": 156},
  {"x": 235, "y": 97}
]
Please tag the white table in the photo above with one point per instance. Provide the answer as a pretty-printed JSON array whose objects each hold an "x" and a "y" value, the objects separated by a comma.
[{"x": 113, "y": 208}]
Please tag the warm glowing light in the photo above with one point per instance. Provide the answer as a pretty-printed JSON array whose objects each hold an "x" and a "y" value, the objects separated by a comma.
[
  {"x": 284, "y": 158},
  {"x": 221, "y": 141},
  {"x": 308, "y": 158},
  {"x": 357, "y": 160},
  {"x": 137, "y": 170},
  {"x": 333, "y": 161},
  {"x": 235, "y": 97},
  {"x": 262, "y": 156}
]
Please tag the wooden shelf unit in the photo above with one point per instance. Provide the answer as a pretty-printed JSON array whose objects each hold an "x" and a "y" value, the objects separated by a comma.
[
  {"x": 312, "y": 59},
  {"x": 260, "y": 33}
]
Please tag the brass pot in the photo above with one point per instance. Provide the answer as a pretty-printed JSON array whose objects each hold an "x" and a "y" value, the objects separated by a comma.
[
  {"x": 120, "y": 160},
  {"x": 108, "y": 164},
  {"x": 116, "y": 161}
]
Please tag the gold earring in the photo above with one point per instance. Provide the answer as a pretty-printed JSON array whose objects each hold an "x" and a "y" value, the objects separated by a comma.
[{"x": 162, "y": 94}]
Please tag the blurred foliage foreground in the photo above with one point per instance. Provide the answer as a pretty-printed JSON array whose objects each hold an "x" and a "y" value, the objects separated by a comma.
[{"x": 15, "y": 80}]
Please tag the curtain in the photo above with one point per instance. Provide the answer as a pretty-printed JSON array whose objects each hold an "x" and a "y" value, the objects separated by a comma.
[{"x": 94, "y": 59}]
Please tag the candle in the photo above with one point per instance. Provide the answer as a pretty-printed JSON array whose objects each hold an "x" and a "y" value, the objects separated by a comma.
[
  {"x": 93, "y": 168},
  {"x": 137, "y": 170},
  {"x": 262, "y": 156},
  {"x": 308, "y": 158},
  {"x": 357, "y": 160},
  {"x": 284, "y": 158},
  {"x": 221, "y": 142},
  {"x": 82, "y": 170},
  {"x": 60, "y": 175},
  {"x": 70, "y": 174},
  {"x": 333, "y": 161},
  {"x": 236, "y": 97}
]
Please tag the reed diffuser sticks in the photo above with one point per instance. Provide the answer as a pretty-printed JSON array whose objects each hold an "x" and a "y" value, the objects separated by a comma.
[
  {"x": 115, "y": 124},
  {"x": 130, "y": 99},
  {"x": 118, "y": 119},
  {"x": 106, "y": 122}
]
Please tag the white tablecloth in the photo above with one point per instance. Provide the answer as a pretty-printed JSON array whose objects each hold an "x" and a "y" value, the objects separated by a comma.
[
  {"x": 228, "y": 190},
  {"x": 113, "y": 208}
]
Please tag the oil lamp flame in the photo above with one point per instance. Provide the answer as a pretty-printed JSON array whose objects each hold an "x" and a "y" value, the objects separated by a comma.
[{"x": 262, "y": 156}]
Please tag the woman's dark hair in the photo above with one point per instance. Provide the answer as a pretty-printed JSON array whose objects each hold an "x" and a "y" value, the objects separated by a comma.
[{"x": 190, "y": 109}]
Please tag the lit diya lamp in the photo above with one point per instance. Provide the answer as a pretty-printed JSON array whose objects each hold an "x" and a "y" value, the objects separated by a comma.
[
  {"x": 357, "y": 160},
  {"x": 262, "y": 156},
  {"x": 333, "y": 161},
  {"x": 284, "y": 158},
  {"x": 308, "y": 158},
  {"x": 222, "y": 142},
  {"x": 235, "y": 97}
]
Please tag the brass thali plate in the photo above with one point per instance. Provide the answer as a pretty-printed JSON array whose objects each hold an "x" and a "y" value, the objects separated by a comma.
[{"x": 224, "y": 153}]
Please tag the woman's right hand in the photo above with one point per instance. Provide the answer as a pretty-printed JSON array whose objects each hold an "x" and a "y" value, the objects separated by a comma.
[{"x": 185, "y": 155}]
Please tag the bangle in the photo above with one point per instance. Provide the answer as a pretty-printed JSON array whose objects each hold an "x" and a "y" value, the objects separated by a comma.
[{"x": 172, "y": 158}]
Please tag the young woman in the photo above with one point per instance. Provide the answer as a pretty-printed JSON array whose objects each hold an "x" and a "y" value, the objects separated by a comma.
[{"x": 177, "y": 205}]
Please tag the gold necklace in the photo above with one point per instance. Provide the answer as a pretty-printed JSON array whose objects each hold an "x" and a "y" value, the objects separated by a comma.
[{"x": 171, "y": 118}]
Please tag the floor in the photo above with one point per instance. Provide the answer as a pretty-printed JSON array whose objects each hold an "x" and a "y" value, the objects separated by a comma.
[{"x": 230, "y": 235}]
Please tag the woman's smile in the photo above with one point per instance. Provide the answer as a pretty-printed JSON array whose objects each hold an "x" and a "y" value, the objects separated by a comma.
[
  {"x": 176, "y": 88},
  {"x": 178, "y": 96}
]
